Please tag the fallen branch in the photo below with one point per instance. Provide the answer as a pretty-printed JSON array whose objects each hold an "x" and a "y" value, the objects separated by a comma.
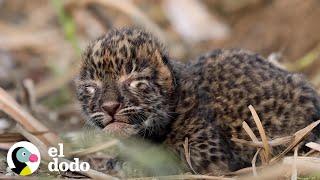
[
  {"x": 259, "y": 144},
  {"x": 11, "y": 137},
  {"x": 14, "y": 110}
]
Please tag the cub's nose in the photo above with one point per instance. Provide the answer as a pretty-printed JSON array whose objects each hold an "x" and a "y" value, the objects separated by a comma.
[{"x": 110, "y": 107}]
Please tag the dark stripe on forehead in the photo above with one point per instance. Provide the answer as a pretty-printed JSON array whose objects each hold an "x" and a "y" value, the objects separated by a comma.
[
  {"x": 143, "y": 64},
  {"x": 155, "y": 74},
  {"x": 129, "y": 66},
  {"x": 99, "y": 64},
  {"x": 123, "y": 50},
  {"x": 119, "y": 63}
]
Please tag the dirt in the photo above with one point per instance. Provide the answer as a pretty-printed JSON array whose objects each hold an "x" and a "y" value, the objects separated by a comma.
[{"x": 288, "y": 26}]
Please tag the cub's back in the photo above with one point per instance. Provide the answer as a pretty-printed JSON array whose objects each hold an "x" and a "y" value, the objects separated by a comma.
[
  {"x": 284, "y": 101},
  {"x": 215, "y": 92}
]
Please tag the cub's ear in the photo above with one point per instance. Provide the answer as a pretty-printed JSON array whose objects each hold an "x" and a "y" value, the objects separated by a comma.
[
  {"x": 165, "y": 77},
  {"x": 158, "y": 58}
]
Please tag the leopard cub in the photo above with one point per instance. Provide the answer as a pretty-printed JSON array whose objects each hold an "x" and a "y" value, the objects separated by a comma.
[{"x": 129, "y": 86}]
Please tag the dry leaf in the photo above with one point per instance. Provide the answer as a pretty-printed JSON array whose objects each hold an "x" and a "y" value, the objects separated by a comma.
[
  {"x": 266, "y": 147},
  {"x": 314, "y": 146},
  {"x": 298, "y": 137},
  {"x": 187, "y": 154}
]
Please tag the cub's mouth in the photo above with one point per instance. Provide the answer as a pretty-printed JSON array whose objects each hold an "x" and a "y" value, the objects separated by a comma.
[
  {"x": 120, "y": 129},
  {"x": 117, "y": 123},
  {"x": 117, "y": 126}
]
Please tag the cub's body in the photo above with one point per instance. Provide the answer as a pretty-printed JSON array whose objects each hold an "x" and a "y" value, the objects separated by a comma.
[{"x": 129, "y": 86}]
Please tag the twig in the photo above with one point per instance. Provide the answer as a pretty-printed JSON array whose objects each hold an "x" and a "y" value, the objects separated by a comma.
[
  {"x": 11, "y": 137},
  {"x": 298, "y": 137},
  {"x": 262, "y": 133},
  {"x": 314, "y": 146},
  {"x": 253, "y": 137},
  {"x": 14, "y": 137},
  {"x": 248, "y": 130},
  {"x": 13, "y": 109},
  {"x": 253, "y": 162},
  {"x": 309, "y": 153},
  {"x": 259, "y": 144},
  {"x": 29, "y": 92},
  {"x": 294, "y": 164},
  {"x": 187, "y": 154},
  {"x": 8, "y": 139}
]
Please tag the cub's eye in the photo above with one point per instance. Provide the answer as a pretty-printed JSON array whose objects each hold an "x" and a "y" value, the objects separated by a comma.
[
  {"x": 90, "y": 90},
  {"x": 141, "y": 84}
]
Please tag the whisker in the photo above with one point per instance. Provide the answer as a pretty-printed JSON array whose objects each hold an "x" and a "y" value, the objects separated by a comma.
[
  {"x": 96, "y": 121},
  {"x": 133, "y": 108},
  {"x": 97, "y": 114}
]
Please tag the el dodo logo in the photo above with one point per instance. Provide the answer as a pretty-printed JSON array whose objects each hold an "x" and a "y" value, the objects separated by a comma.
[
  {"x": 23, "y": 158},
  {"x": 55, "y": 165}
]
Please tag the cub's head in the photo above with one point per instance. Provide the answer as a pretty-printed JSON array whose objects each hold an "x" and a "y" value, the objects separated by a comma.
[{"x": 126, "y": 85}]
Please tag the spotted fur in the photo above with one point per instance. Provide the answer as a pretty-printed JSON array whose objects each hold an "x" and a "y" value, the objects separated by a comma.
[
  {"x": 131, "y": 67},
  {"x": 205, "y": 100}
]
